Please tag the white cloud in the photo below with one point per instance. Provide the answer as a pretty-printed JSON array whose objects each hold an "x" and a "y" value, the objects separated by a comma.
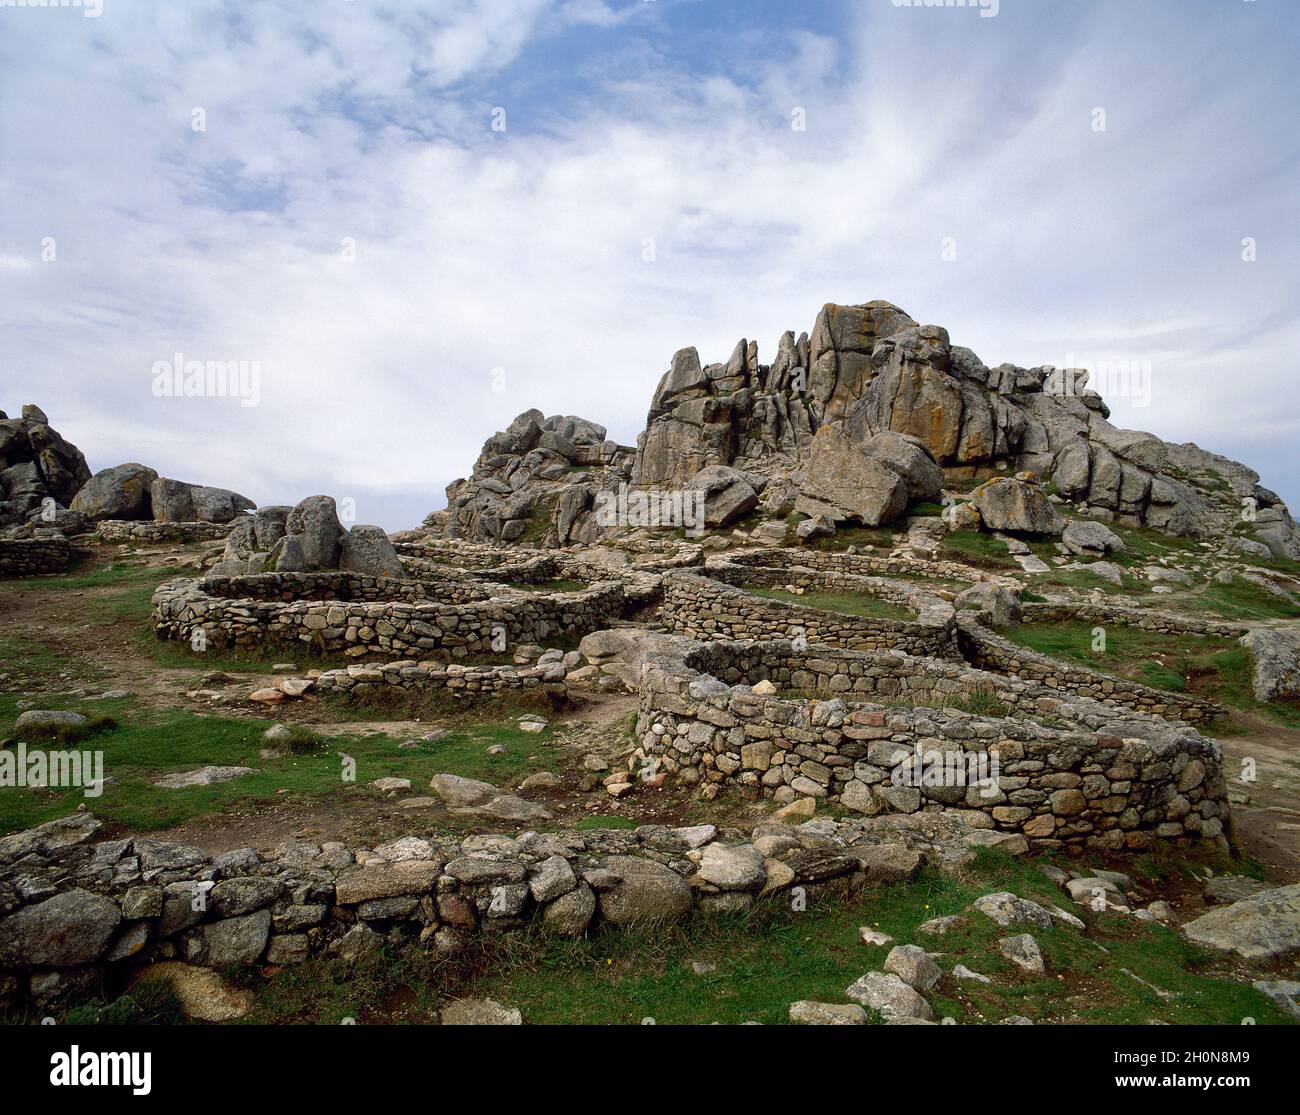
[{"x": 523, "y": 250}]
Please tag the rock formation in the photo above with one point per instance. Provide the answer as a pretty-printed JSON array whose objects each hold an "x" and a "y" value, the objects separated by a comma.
[
  {"x": 36, "y": 464},
  {"x": 799, "y": 433}
]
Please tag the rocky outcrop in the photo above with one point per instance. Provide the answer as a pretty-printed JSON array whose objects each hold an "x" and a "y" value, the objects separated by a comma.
[
  {"x": 1019, "y": 505},
  {"x": 36, "y": 464},
  {"x": 869, "y": 482},
  {"x": 1276, "y": 655},
  {"x": 866, "y": 370},
  {"x": 120, "y": 492},
  {"x": 175, "y": 501},
  {"x": 537, "y": 481}
]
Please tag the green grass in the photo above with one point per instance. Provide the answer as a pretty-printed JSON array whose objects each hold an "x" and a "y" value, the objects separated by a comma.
[
  {"x": 1239, "y": 600},
  {"x": 976, "y": 548},
  {"x": 1218, "y": 669},
  {"x": 846, "y": 536},
  {"x": 773, "y": 955},
  {"x": 146, "y": 744},
  {"x": 559, "y": 585},
  {"x": 846, "y": 603}
]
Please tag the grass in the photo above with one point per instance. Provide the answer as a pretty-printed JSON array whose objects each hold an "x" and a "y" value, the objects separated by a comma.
[
  {"x": 976, "y": 548},
  {"x": 1239, "y": 600},
  {"x": 845, "y": 536},
  {"x": 765, "y": 959},
  {"x": 845, "y": 603},
  {"x": 146, "y": 744},
  {"x": 559, "y": 585},
  {"x": 1215, "y": 668}
]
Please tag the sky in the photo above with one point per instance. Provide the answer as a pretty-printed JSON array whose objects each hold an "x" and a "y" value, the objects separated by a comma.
[{"x": 412, "y": 221}]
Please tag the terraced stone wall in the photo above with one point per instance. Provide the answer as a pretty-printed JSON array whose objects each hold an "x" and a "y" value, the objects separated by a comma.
[
  {"x": 1085, "y": 775},
  {"x": 704, "y": 607}
]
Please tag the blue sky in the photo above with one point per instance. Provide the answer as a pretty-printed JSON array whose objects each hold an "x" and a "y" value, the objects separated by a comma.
[{"x": 493, "y": 271}]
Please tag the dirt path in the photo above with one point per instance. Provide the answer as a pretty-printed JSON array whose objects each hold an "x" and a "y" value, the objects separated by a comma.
[{"x": 1268, "y": 824}]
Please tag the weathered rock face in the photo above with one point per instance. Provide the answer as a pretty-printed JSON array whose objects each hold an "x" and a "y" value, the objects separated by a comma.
[
  {"x": 536, "y": 480},
  {"x": 315, "y": 521},
  {"x": 869, "y": 369},
  {"x": 366, "y": 549},
  {"x": 1018, "y": 505},
  {"x": 728, "y": 493},
  {"x": 36, "y": 464},
  {"x": 846, "y": 484},
  {"x": 1276, "y": 655},
  {"x": 175, "y": 501},
  {"x": 121, "y": 492}
]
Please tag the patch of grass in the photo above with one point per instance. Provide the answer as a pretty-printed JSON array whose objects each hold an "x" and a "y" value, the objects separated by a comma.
[
  {"x": 1240, "y": 599},
  {"x": 976, "y": 548},
  {"x": 846, "y": 536},
  {"x": 147, "y": 744},
  {"x": 559, "y": 585},
  {"x": 846, "y": 603},
  {"x": 605, "y": 821},
  {"x": 150, "y": 1002},
  {"x": 1218, "y": 669}
]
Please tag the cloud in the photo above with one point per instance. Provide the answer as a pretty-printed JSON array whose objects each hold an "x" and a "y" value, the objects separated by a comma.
[{"x": 350, "y": 221}]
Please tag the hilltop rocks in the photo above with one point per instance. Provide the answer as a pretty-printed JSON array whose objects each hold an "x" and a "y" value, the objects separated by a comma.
[
  {"x": 868, "y": 370},
  {"x": 1016, "y": 505},
  {"x": 539, "y": 474},
  {"x": 315, "y": 522},
  {"x": 175, "y": 501},
  {"x": 36, "y": 464},
  {"x": 121, "y": 492},
  {"x": 870, "y": 482},
  {"x": 366, "y": 549}
]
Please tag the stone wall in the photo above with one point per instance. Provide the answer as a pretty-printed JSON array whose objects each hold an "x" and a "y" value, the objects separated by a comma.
[
  {"x": 1166, "y": 623},
  {"x": 1086, "y": 775},
  {"x": 30, "y": 557},
  {"x": 126, "y": 530},
  {"x": 989, "y": 651},
  {"x": 396, "y": 628},
  {"x": 342, "y": 586},
  {"x": 837, "y": 561},
  {"x": 74, "y": 911},
  {"x": 466, "y": 682},
  {"x": 704, "y": 607}
]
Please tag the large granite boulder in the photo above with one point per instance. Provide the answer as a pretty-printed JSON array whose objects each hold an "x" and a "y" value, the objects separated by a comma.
[
  {"x": 121, "y": 492},
  {"x": 1275, "y": 652},
  {"x": 844, "y": 483},
  {"x": 1089, "y": 538},
  {"x": 366, "y": 549},
  {"x": 175, "y": 501},
  {"x": 36, "y": 464},
  {"x": 315, "y": 522},
  {"x": 1017, "y": 505},
  {"x": 68, "y": 929},
  {"x": 728, "y": 493}
]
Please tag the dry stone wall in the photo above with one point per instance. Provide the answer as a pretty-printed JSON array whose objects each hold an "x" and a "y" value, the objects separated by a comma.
[
  {"x": 30, "y": 557},
  {"x": 1090, "y": 776},
  {"x": 74, "y": 911},
  {"x": 395, "y": 627},
  {"x": 1165, "y": 623},
  {"x": 704, "y": 607},
  {"x": 126, "y": 530}
]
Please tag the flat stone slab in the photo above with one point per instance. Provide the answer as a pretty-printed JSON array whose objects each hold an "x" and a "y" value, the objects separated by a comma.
[
  {"x": 203, "y": 776},
  {"x": 1261, "y": 927}
]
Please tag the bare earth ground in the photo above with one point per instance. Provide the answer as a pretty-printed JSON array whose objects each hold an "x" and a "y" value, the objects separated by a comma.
[{"x": 100, "y": 637}]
